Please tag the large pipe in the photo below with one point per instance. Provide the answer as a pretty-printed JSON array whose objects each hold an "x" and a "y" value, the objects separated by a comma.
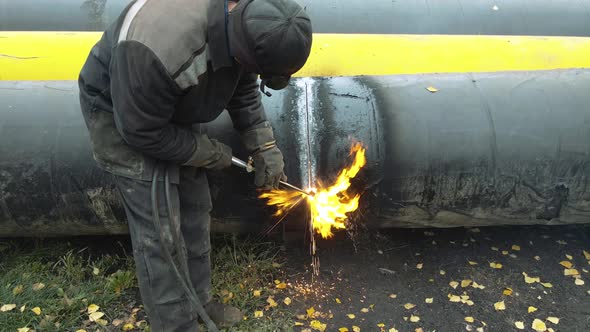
[{"x": 486, "y": 149}]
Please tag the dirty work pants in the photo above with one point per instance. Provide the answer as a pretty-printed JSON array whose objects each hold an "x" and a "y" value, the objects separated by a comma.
[{"x": 166, "y": 304}]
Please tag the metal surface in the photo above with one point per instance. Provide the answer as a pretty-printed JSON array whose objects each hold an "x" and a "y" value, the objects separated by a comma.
[
  {"x": 486, "y": 149},
  {"x": 499, "y": 17}
]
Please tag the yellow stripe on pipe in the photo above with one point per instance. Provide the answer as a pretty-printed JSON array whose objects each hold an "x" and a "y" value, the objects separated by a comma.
[{"x": 60, "y": 55}]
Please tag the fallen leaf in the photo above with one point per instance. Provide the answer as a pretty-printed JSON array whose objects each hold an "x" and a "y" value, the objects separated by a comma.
[
  {"x": 432, "y": 89},
  {"x": 365, "y": 310},
  {"x": 500, "y": 305},
  {"x": 299, "y": 324},
  {"x": 380, "y": 325},
  {"x": 515, "y": 247},
  {"x": 393, "y": 329},
  {"x": 393, "y": 296},
  {"x": 36, "y": 310},
  {"x": 469, "y": 319},
  {"x": 519, "y": 325},
  {"x": 7, "y": 307},
  {"x": 287, "y": 301},
  {"x": 117, "y": 322},
  {"x": 570, "y": 272},
  {"x": 418, "y": 329},
  {"x": 23, "y": 329},
  {"x": 553, "y": 320},
  {"x": 530, "y": 280},
  {"x": 95, "y": 316},
  {"x": 476, "y": 285},
  {"x": 496, "y": 265},
  {"x": 317, "y": 325},
  {"x": 472, "y": 263},
  {"x": 128, "y": 327},
  {"x": 351, "y": 316},
  {"x": 17, "y": 290},
  {"x": 356, "y": 328},
  {"x": 495, "y": 249},
  {"x": 38, "y": 286},
  {"x": 566, "y": 264},
  {"x": 302, "y": 317},
  {"x": 539, "y": 325},
  {"x": 507, "y": 291},
  {"x": 454, "y": 284},
  {"x": 92, "y": 308},
  {"x": 537, "y": 258},
  {"x": 343, "y": 329},
  {"x": 256, "y": 293},
  {"x": 504, "y": 252},
  {"x": 532, "y": 309},
  {"x": 586, "y": 254},
  {"x": 466, "y": 282},
  {"x": 271, "y": 302},
  {"x": 102, "y": 322},
  {"x": 419, "y": 266},
  {"x": 570, "y": 257},
  {"x": 338, "y": 301},
  {"x": 561, "y": 242},
  {"x": 258, "y": 314},
  {"x": 310, "y": 312},
  {"x": 579, "y": 282},
  {"x": 429, "y": 300},
  {"x": 546, "y": 284},
  {"x": 414, "y": 319},
  {"x": 281, "y": 285},
  {"x": 442, "y": 272},
  {"x": 409, "y": 306},
  {"x": 455, "y": 298},
  {"x": 22, "y": 309},
  {"x": 81, "y": 330}
]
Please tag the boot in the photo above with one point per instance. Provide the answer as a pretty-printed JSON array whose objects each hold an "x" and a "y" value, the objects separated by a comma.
[{"x": 223, "y": 315}]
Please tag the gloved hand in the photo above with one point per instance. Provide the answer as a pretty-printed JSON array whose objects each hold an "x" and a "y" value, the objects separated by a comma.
[
  {"x": 268, "y": 159},
  {"x": 210, "y": 154}
]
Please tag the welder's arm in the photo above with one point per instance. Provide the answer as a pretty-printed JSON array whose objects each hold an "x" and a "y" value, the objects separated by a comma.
[
  {"x": 250, "y": 120},
  {"x": 144, "y": 98}
]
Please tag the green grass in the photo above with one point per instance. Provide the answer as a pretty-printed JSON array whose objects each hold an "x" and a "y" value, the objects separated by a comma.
[{"x": 77, "y": 274}]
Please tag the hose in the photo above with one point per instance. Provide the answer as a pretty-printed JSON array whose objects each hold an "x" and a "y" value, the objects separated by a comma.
[{"x": 184, "y": 281}]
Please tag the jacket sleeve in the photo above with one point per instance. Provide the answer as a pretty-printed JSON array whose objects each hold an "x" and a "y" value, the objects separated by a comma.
[
  {"x": 144, "y": 98},
  {"x": 245, "y": 107}
]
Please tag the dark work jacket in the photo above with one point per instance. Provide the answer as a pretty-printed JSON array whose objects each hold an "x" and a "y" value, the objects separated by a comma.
[{"x": 161, "y": 68}]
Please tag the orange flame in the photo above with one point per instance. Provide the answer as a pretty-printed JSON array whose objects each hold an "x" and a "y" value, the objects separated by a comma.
[{"x": 328, "y": 205}]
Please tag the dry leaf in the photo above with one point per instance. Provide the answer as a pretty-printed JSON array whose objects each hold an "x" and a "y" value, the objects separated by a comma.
[
  {"x": 287, "y": 301},
  {"x": 515, "y": 247},
  {"x": 381, "y": 325},
  {"x": 532, "y": 309},
  {"x": 537, "y": 258},
  {"x": 356, "y": 328},
  {"x": 586, "y": 254},
  {"x": 570, "y": 257},
  {"x": 579, "y": 282},
  {"x": 128, "y": 327},
  {"x": 466, "y": 282},
  {"x": 442, "y": 272},
  {"x": 317, "y": 325},
  {"x": 454, "y": 298},
  {"x": 546, "y": 284},
  {"x": 7, "y": 307},
  {"x": 343, "y": 329},
  {"x": 418, "y": 329},
  {"x": 258, "y": 314},
  {"x": 17, "y": 290},
  {"x": 409, "y": 306},
  {"x": 469, "y": 319},
  {"x": 36, "y": 310},
  {"x": 393, "y": 296},
  {"x": 23, "y": 329},
  {"x": 496, "y": 265},
  {"x": 476, "y": 285},
  {"x": 500, "y": 305},
  {"x": 507, "y": 291},
  {"x": 570, "y": 272},
  {"x": 281, "y": 285},
  {"x": 22, "y": 309},
  {"x": 419, "y": 266},
  {"x": 504, "y": 252},
  {"x": 102, "y": 322},
  {"x": 519, "y": 325},
  {"x": 351, "y": 316},
  {"x": 479, "y": 329},
  {"x": 117, "y": 322},
  {"x": 539, "y": 325},
  {"x": 256, "y": 293},
  {"x": 414, "y": 319},
  {"x": 530, "y": 280},
  {"x": 472, "y": 263},
  {"x": 365, "y": 310},
  {"x": 393, "y": 329},
  {"x": 95, "y": 316},
  {"x": 566, "y": 264},
  {"x": 469, "y": 303},
  {"x": 92, "y": 308},
  {"x": 81, "y": 330},
  {"x": 495, "y": 249},
  {"x": 561, "y": 242},
  {"x": 429, "y": 300},
  {"x": 432, "y": 89},
  {"x": 553, "y": 320},
  {"x": 271, "y": 302},
  {"x": 299, "y": 324},
  {"x": 302, "y": 317},
  {"x": 95, "y": 271},
  {"x": 38, "y": 286},
  {"x": 310, "y": 312},
  {"x": 338, "y": 301},
  {"x": 454, "y": 284}
]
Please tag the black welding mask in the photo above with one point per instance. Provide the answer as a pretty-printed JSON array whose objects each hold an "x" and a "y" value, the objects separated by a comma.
[{"x": 271, "y": 38}]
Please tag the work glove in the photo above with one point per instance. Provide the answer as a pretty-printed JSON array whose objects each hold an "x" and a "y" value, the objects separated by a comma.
[
  {"x": 210, "y": 154},
  {"x": 266, "y": 156}
]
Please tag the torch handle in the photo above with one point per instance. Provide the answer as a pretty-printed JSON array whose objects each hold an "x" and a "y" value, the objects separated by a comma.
[{"x": 242, "y": 164}]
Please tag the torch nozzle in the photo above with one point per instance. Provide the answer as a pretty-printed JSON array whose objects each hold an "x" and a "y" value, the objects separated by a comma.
[{"x": 249, "y": 168}]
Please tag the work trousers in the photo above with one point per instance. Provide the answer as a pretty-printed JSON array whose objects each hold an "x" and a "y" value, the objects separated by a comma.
[{"x": 164, "y": 299}]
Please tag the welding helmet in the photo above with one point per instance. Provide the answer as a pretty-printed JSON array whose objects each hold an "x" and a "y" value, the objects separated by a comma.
[{"x": 271, "y": 38}]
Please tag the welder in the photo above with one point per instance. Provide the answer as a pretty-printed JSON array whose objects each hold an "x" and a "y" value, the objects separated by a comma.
[{"x": 161, "y": 69}]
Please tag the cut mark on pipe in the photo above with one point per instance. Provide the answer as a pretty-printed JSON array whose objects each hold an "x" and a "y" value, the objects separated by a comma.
[
  {"x": 305, "y": 129},
  {"x": 19, "y": 57}
]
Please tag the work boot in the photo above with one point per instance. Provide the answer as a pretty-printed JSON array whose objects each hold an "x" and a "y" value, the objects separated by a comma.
[{"x": 223, "y": 315}]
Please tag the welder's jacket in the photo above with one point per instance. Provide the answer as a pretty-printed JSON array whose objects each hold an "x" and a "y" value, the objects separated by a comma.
[{"x": 161, "y": 68}]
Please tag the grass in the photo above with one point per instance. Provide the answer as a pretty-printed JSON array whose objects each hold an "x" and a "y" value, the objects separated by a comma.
[{"x": 78, "y": 272}]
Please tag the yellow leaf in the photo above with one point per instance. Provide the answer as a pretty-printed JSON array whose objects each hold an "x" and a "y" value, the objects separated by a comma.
[
  {"x": 454, "y": 284},
  {"x": 351, "y": 316},
  {"x": 566, "y": 264},
  {"x": 409, "y": 306},
  {"x": 414, "y": 319},
  {"x": 553, "y": 320},
  {"x": 570, "y": 272},
  {"x": 500, "y": 305},
  {"x": 515, "y": 247},
  {"x": 507, "y": 291},
  {"x": 579, "y": 282},
  {"x": 419, "y": 266},
  {"x": 393, "y": 296},
  {"x": 22, "y": 309},
  {"x": 495, "y": 249},
  {"x": 429, "y": 300},
  {"x": 117, "y": 322},
  {"x": 469, "y": 303},
  {"x": 310, "y": 312},
  {"x": 472, "y": 263},
  {"x": 343, "y": 329},
  {"x": 271, "y": 302},
  {"x": 299, "y": 324},
  {"x": 36, "y": 310},
  {"x": 365, "y": 310},
  {"x": 561, "y": 242},
  {"x": 24, "y": 329},
  {"x": 442, "y": 272},
  {"x": 127, "y": 327},
  {"x": 281, "y": 285},
  {"x": 102, "y": 322},
  {"x": 586, "y": 254},
  {"x": 455, "y": 298},
  {"x": 469, "y": 319},
  {"x": 356, "y": 328},
  {"x": 519, "y": 325},
  {"x": 302, "y": 317},
  {"x": 95, "y": 271},
  {"x": 93, "y": 308},
  {"x": 317, "y": 325},
  {"x": 95, "y": 316},
  {"x": 287, "y": 301},
  {"x": 418, "y": 329},
  {"x": 81, "y": 330},
  {"x": 256, "y": 293},
  {"x": 17, "y": 290},
  {"x": 258, "y": 314},
  {"x": 7, "y": 307},
  {"x": 570, "y": 257},
  {"x": 381, "y": 325},
  {"x": 496, "y": 265},
  {"x": 530, "y": 280},
  {"x": 338, "y": 301},
  {"x": 38, "y": 286},
  {"x": 466, "y": 282},
  {"x": 504, "y": 252},
  {"x": 546, "y": 284},
  {"x": 277, "y": 281},
  {"x": 432, "y": 89},
  {"x": 532, "y": 309},
  {"x": 539, "y": 325},
  {"x": 537, "y": 258},
  {"x": 393, "y": 329}
]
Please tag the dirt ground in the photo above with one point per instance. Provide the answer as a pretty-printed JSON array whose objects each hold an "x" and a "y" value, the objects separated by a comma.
[{"x": 377, "y": 276}]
